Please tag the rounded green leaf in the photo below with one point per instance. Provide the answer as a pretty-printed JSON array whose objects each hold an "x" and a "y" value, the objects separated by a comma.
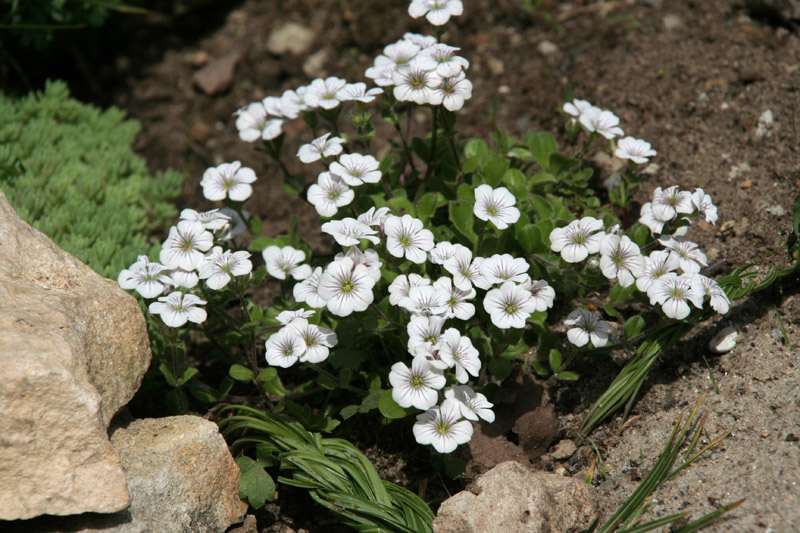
[{"x": 389, "y": 407}]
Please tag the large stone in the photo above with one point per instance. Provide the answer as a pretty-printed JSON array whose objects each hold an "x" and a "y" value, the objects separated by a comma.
[
  {"x": 512, "y": 499},
  {"x": 73, "y": 349},
  {"x": 181, "y": 476}
]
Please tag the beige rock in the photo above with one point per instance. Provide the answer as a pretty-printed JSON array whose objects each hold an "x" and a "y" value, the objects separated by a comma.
[
  {"x": 73, "y": 349},
  {"x": 180, "y": 474},
  {"x": 291, "y": 37},
  {"x": 512, "y": 499},
  {"x": 217, "y": 75}
]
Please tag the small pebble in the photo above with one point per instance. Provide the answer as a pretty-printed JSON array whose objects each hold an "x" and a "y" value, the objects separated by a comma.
[
  {"x": 546, "y": 48},
  {"x": 724, "y": 341},
  {"x": 776, "y": 210},
  {"x": 564, "y": 450}
]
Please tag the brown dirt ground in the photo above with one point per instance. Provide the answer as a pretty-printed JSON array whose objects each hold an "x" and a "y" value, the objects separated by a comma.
[{"x": 693, "y": 78}]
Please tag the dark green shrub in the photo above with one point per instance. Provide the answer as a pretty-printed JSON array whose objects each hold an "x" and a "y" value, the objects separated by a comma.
[
  {"x": 68, "y": 170},
  {"x": 30, "y": 22}
]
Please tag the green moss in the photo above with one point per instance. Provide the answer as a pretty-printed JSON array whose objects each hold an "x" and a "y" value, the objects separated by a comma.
[{"x": 68, "y": 169}]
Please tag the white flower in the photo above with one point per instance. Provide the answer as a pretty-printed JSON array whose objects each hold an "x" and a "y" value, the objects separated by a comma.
[
  {"x": 718, "y": 299},
  {"x": 424, "y": 333},
  {"x": 605, "y": 123},
  {"x": 437, "y": 12},
  {"x": 286, "y": 317},
  {"x": 443, "y": 59},
  {"x": 381, "y": 71},
  {"x": 319, "y": 148},
  {"x": 402, "y": 284},
  {"x": 322, "y": 93},
  {"x": 453, "y": 91},
  {"x": 473, "y": 404},
  {"x": 457, "y": 305},
  {"x": 636, "y": 150},
  {"x": 542, "y": 293},
  {"x": 185, "y": 278},
  {"x": 211, "y": 220},
  {"x": 317, "y": 340},
  {"x": 238, "y": 223},
  {"x": 425, "y": 300},
  {"x": 620, "y": 258},
  {"x": 501, "y": 268},
  {"x": 466, "y": 271},
  {"x": 702, "y": 202},
  {"x": 423, "y": 41},
  {"x": 690, "y": 258},
  {"x": 253, "y": 124},
  {"x": 405, "y": 236},
  {"x": 346, "y": 287},
  {"x": 285, "y": 262},
  {"x": 672, "y": 292},
  {"x": 578, "y": 239},
  {"x": 671, "y": 201},
  {"x": 358, "y": 92},
  {"x": 284, "y": 348},
  {"x": 414, "y": 83},
  {"x": 328, "y": 194},
  {"x": 577, "y": 107},
  {"x": 369, "y": 258},
  {"x": 401, "y": 52},
  {"x": 374, "y": 217},
  {"x": 647, "y": 218},
  {"x": 148, "y": 279},
  {"x": 415, "y": 387},
  {"x": 356, "y": 169},
  {"x": 442, "y": 427},
  {"x": 228, "y": 179},
  {"x": 588, "y": 328},
  {"x": 657, "y": 264},
  {"x": 185, "y": 245},
  {"x": 294, "y": 101},
  {"x": 220, "y": 267},
  {"x": 509, "y": 306},
  {"x": 495, "y": 205},
  {"x": 349, "y": 232},
  {"x": 178, "y": 308},
  {"x": 307, "y": 291},
  {"x": 442, "y": 252},
  {"x": 457, "y": 351}
]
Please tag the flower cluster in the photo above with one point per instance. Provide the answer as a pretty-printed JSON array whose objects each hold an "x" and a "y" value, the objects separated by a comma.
[
  {"x": 188, "y": 255},
  {"x": 670, "y": 277},
  {"x": 605, "y": 123},
  {"x": 423, "y": 71}
]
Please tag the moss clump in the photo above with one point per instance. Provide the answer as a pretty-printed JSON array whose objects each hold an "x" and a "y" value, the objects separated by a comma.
[{"x": 69, "y": 171}]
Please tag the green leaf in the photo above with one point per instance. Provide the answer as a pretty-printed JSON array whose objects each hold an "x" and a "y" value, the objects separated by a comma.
[
  {"x": 542, "y": 145},
  {"x": 455, "y": 468},
  {"x": 254, "y": 225},
  {"x": 466, "y": 192},
  {"x": 462, "y": 217},
  {"x": 542, "y": 206},
  {"x": 567, "y": 376},
  {"x": 514, "y": 178},
  {"x": 639, "y": 234},
  {"x": 555, "y": 360},
  {"x": 494, "y": 169},
  {"x": 542, "y": 178},
  {"x": 389, "y": 407},
  {"x": 267, "y": 374},
  {"x": 188, "y": 374},
  {"x": 420, "y": 147},
  {"x": 475, "y": 148},
  {"x": 400, "y": 203},
  {"x": 529, "y": 237},
  {"x": 500, "y": 367},
  {"x": 167, "y": 373},
  {"x": 347, "y": 358},
  {"x": 256, "y": 314},
  {"x": 348, "y": 411},
  {"x": 520, "y": 153},
  {"x": 370, "y": 401},
  {"x": 634, "y": 326},
  {"x": 428, "y": 204},
  {"x": 255, "y": 485},
  {"x": 240, "y": 373}
]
